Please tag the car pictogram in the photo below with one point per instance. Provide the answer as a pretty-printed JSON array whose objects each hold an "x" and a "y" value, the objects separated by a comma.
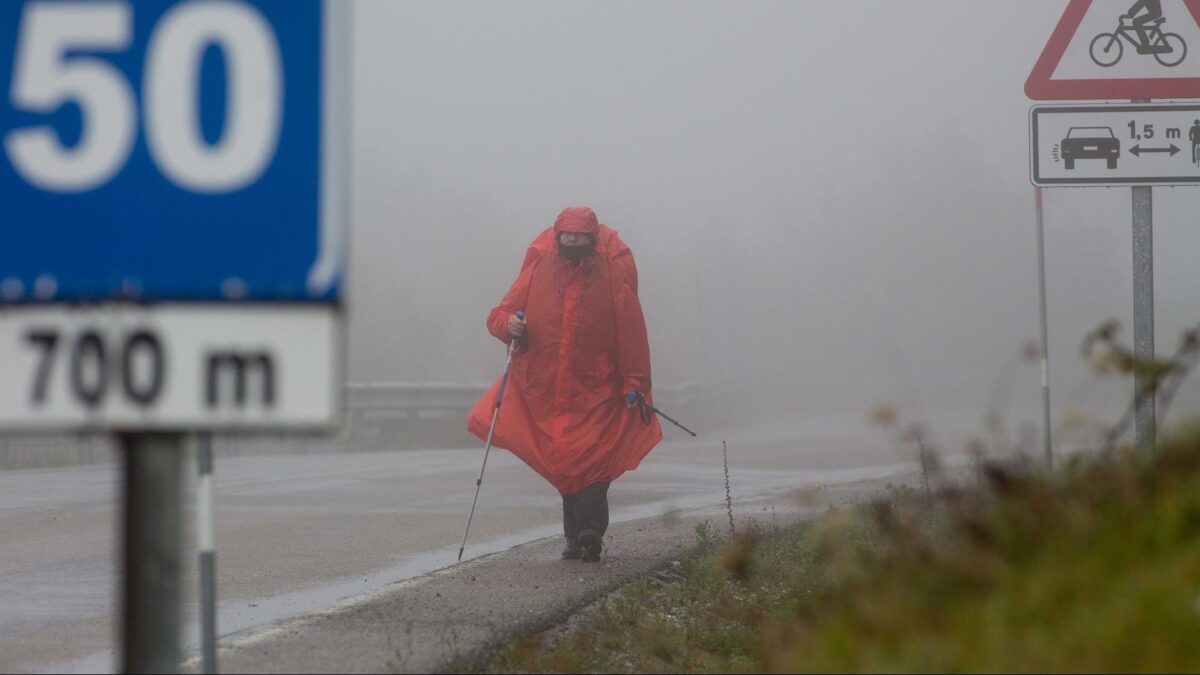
[{"x": 1090, "y": 143}]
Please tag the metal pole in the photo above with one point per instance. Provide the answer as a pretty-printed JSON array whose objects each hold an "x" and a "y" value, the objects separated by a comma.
[
  {"x": 488, "y": 449},
  {"x": 1037, "y": 192},
  {"x": 152, "y": 552},
  {"x": 208, "y": 556},
  {"x": 1143, "y": 313}
]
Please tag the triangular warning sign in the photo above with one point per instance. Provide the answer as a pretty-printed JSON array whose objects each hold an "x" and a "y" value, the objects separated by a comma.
[{"x": 1121, "y": 49}]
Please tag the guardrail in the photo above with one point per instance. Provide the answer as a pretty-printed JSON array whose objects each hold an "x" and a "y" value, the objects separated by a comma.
[
  {"x": 384, "y": 415},
  {"x": 459, "y": 396}
]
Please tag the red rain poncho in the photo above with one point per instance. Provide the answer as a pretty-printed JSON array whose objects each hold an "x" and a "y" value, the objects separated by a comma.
[{"x": 564, "y": 411}]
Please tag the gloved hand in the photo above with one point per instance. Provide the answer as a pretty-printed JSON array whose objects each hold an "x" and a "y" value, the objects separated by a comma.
[
  {"x": 516, "y": 326},
  {"x": 637, "y": 399},
  {"x": 517, "y": 329}
]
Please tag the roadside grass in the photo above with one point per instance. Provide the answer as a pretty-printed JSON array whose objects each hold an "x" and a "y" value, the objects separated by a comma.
[{"x": 1093, "y": 568}]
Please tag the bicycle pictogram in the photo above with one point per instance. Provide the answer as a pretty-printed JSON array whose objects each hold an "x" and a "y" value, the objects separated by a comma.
[{"x": 1141, "y": 26}]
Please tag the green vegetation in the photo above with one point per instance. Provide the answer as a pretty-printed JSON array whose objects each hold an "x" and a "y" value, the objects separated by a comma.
[{"x": 1096, "y": 568}]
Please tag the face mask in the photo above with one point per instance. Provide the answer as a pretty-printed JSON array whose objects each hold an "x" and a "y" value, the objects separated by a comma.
[{"x": 576, "y": 253}]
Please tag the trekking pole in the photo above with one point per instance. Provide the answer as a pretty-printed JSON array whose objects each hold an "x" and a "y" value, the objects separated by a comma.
[
  {"x": 634, "y": 396},
  {"x": 491, "y": 429}
]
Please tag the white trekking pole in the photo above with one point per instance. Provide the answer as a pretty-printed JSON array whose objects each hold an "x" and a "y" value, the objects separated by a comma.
[{"x": 491, "y": 430}]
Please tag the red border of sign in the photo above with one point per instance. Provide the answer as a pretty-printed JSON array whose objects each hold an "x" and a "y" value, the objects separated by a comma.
[{"x": 1040, "y": 87}]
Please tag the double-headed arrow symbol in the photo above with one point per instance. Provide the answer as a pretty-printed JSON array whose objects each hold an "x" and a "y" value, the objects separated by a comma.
[{"x": 1137, "y": 151}]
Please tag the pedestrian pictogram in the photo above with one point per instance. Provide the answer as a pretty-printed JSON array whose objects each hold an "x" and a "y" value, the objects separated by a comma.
[
  {"x": 1194, "y": 137},
  {"x": 1120, "y": 49}
]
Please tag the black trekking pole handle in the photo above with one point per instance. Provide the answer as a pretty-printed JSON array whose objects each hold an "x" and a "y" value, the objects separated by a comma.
[{"x": 638, "y": 397}]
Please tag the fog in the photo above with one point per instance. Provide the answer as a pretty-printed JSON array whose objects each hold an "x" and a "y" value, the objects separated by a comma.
[{"x": 828, "y": 202}]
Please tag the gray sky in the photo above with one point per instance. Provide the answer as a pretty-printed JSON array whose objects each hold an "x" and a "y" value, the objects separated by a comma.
[{"x": 829, "y": 198}]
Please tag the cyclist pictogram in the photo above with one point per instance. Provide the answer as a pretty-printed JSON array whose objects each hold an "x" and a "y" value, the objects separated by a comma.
[{"x": 1141, "y": 26}]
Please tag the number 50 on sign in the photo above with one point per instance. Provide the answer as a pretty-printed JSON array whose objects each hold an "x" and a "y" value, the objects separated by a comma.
[
  {"x": 44, "y": 79},
  {"x": 183, "y": 150}
]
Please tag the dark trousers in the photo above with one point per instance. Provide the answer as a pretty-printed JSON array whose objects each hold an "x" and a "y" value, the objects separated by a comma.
[{"x": 586, "y": 510}]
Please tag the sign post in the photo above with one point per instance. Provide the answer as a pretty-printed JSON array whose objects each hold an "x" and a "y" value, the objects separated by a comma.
[
  {"x": 174, "y": 216},
  {"x": 152, "y": 552},
  {"x": 1048, "y": 448},
  {"x": 1143, "y": 315},
  {"x": 1109, "y": 50}
]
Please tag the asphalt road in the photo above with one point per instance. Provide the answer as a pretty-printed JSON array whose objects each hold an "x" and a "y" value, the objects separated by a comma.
[{"x": 298, "y": 535}]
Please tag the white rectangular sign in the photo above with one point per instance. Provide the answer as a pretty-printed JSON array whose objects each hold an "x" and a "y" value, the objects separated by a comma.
[
  {"x": 1114, "y": 145},
  {"x": 169, "y": 367}
]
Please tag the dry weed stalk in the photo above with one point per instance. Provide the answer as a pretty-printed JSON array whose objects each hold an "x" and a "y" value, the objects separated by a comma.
[{"x": 728, "y": 495}]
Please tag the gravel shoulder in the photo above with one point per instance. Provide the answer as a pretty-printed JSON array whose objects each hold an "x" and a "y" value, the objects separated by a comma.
[{"x": 456, "y": 616}]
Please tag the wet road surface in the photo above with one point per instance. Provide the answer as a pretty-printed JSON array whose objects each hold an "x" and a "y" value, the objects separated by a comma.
[{"x": 299, "y": 534}]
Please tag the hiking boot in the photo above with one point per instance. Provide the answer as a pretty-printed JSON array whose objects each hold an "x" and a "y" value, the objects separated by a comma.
[
  {"x": 589, "y": 541},
  {"x": 573, "y": 551}
]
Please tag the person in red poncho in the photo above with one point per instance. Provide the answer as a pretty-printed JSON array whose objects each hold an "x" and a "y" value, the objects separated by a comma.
[{"x": 580, "y": 376}]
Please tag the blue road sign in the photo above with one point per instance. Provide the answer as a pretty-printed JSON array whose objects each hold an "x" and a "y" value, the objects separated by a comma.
[{"x": 161, "y": 151}]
